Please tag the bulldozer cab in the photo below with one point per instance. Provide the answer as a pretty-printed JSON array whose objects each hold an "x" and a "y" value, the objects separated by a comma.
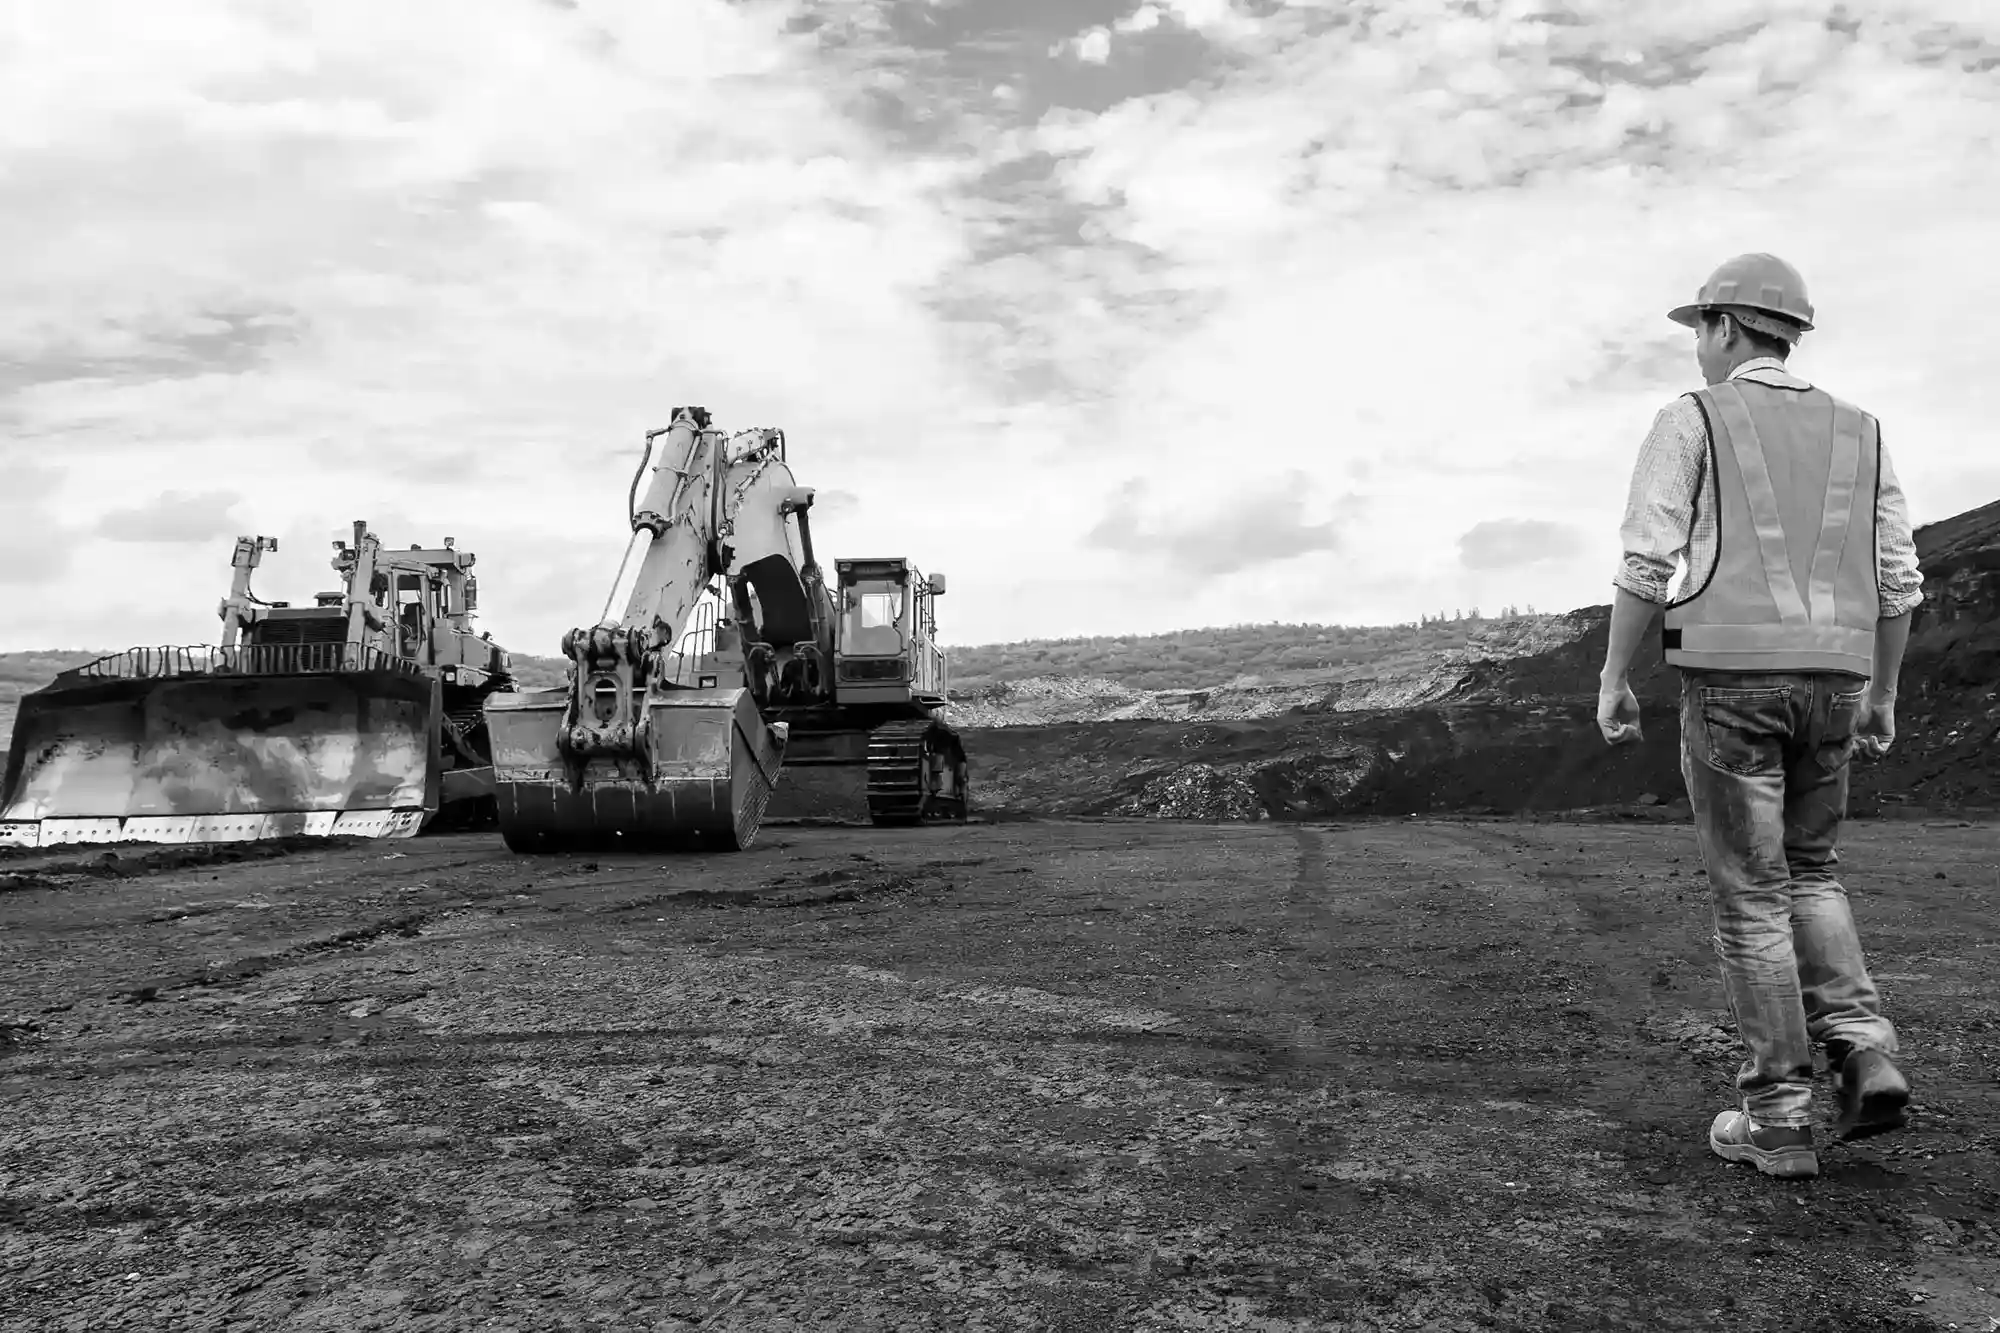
[
  {"x": 426, "y": 598},
  {"x": 886, "y": 649},
  {"x": 419, "y": 604}
]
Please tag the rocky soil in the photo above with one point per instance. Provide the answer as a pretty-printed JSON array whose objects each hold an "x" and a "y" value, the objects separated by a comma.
[
  {"x": 1105, "y": 1076},
  {"x": 1055, "y": 700}
]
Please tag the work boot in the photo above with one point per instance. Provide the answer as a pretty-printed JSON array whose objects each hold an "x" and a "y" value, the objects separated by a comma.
[
  {"x": 1874, "y": 1096},
  {"x": 1776, "y": 1150}
]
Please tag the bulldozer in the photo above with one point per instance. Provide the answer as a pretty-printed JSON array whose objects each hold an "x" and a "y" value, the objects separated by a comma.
[
  {"x": 721, "y": 657},
  {"x": 357, "y": 716}
]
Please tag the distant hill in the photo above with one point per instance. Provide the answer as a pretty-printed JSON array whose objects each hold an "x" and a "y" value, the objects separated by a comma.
[
  {"x": 1252, "y": 671},
  {"x": 1197, "y": 659},
  {"x": 23, "y": 673},
  {"x": 539, "y": 673},
  {"x": 1203, "y": 658}
]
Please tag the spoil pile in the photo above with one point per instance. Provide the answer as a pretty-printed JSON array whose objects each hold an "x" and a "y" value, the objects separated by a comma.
[
  {"x": 1054, "y": 700},
  {"x": 1195, "y": 791}
]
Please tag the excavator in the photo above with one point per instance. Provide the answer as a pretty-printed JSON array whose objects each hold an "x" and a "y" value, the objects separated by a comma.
[
  {"x": 721, "y": 657},
  {"x": 358, "y": 716}
]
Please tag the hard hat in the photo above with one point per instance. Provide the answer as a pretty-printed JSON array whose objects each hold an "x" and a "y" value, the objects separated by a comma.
[{"x": 1753, "y": 288}]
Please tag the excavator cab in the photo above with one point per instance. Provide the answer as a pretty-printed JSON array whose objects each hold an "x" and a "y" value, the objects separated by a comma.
[{"x": 885, "y": 647}]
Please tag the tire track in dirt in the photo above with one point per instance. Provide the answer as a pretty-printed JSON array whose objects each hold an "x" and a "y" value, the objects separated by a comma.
[
  {"x": 142, "y": 919},
  {"x": 130, "y": 890},
  {"x": 1292, "y": 1053},
  {"x": 1376, "y": 924},
  {"x": 40, "y": 869},
  {"x": 237, "y": 971}
]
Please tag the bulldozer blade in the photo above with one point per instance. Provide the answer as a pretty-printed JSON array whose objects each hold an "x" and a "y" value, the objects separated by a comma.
[
  {"x": 223, "y": 758},
  {"x": 714, "y": 765}
]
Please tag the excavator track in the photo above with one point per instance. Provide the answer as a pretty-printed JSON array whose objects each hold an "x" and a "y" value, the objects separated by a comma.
[{"x": 903, "y": 781}]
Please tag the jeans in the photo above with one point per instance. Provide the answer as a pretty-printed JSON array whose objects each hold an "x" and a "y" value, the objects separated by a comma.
[{"x": 1765, "y": 756}]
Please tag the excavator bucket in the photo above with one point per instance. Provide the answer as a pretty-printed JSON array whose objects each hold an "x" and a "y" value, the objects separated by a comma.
[
  {"x": 150, "y": 748},
  {"x": 713, "y": 765}
]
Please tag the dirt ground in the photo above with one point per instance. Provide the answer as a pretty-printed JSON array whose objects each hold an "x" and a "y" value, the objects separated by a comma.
[{"x": 1412, "y": 1074}]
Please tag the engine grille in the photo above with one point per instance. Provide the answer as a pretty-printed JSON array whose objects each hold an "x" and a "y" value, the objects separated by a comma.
[
  {"x": 302, "y": 629},
  {"x": 873, "y": 668}
]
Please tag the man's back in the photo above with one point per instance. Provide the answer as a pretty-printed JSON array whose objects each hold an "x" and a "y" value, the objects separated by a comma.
[
  {"x": 1788, "y": 632},
  {"x": 1671, "y": 511},
  {"x": 1794, "y": 581}
]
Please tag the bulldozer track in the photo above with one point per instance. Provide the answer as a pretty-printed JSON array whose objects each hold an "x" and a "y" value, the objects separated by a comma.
[{"x": 899, "y": 790}]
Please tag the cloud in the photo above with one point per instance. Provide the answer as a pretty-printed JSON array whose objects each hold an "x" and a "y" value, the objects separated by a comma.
[
  {"x": 175, "y": 518},
  {"x": 1163, "y": 22},
  {"x": 1513, "y": 543},
  {"x": 136, "y": 344},
  {"x": 1222, "y": 537},
  {"x": 834, "y": 501},
  {"x": 1415, "y": 255},
  {"x": 1635, "y": 363},
  {"x": 1093, "y": 47},
  {"x": 35, "y": 549}
]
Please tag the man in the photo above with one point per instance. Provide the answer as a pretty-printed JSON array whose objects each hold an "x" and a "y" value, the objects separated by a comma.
[{"x": 1789, "y": 633}]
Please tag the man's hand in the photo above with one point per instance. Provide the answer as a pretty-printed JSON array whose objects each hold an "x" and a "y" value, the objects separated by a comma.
[
  {"x": 1875, "y": 730},
  {"x": 1618, "y": 713}
]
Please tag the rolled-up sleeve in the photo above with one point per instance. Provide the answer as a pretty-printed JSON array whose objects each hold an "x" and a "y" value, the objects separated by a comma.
[
  {"x": 1899, "y": 577},
  {"x": 1659, "y": 510}
]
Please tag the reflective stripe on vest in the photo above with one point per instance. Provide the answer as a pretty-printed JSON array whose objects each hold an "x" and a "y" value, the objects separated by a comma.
[{"x": 1794, "y": 468}]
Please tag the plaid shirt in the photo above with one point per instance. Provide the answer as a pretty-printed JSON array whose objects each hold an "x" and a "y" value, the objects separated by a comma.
[{"x": 1663, "y": 526}]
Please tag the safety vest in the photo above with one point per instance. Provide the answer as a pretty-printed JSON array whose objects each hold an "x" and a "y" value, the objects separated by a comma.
[{"x": 1794, "y": 585}]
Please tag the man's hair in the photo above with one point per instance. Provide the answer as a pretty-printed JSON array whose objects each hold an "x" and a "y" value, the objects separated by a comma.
[{"x": 1764, "y": 343}]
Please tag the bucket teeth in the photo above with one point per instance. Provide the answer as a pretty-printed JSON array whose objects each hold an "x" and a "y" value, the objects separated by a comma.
[{"x": 703, "y": 780}]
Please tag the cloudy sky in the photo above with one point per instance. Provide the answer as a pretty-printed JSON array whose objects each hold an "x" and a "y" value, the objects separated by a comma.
[{"x": 1127, "y": 316}]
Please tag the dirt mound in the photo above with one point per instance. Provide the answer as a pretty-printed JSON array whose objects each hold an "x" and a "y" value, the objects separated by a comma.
[
  {"x": 1568, "y": 667},
  {"x": 1323, "y": 780},
  {"x": 1049, "y": 700},
  {"x": 1040, "y": 700},
  {"x": 1948, "y": 752},
  {"x": 1394, "y": 761},
  {"x": 1195, "y": 791}
]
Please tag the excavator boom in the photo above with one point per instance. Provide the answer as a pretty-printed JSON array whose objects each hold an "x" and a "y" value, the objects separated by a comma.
[{"x": 627, "y": 754}]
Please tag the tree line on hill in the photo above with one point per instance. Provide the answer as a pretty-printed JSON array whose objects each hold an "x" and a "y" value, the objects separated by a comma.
[{"x": 1204, "y": 658}]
